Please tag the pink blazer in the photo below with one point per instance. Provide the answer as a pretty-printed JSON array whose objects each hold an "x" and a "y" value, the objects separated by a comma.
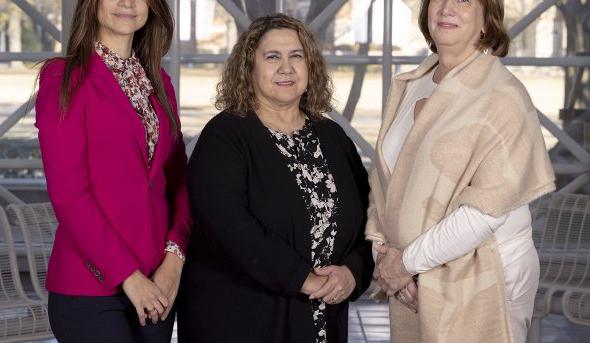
[{"x": 115, "y": 214}]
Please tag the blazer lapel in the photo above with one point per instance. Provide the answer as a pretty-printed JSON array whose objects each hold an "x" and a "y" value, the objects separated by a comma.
[
  {"x": 164, "y": 133},
  {"x": 104, "y": 79}
]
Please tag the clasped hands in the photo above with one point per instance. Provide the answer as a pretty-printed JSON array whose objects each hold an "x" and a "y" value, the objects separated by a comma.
[
  {"x": 332, "y": 284},
  {"x": 154, "y": 298},
  {"x": 391, "y": 274}
]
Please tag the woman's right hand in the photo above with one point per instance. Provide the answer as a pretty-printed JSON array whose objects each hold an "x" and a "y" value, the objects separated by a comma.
[
  {"x": 312, "y": 283},
  {"x": 145, "y": 296}
]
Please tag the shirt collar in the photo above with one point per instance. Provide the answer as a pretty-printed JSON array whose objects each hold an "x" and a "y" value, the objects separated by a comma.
[{"x": 115, "y": 62}]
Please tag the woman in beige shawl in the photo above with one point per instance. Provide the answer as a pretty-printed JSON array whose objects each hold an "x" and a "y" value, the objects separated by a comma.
[{"x": 460, "y": 155}]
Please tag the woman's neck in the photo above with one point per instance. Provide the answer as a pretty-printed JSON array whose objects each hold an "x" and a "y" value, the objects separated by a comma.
[
  {"x": 121, "y": 45},
  {"x": 448, "y": 60},
  {"x": 283, "y": 119}
]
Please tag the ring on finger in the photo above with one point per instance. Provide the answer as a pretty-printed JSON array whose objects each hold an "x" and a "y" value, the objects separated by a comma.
[{"x": 401, "y": 297}]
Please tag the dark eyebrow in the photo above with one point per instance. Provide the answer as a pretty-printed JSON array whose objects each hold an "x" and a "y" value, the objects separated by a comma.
[{"x": 278, "y": 52}]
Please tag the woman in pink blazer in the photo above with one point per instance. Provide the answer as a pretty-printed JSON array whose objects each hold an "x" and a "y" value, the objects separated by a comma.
[{"x": 115, "y": 167}]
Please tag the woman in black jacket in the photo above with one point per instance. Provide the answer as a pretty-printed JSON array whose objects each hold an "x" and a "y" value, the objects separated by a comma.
[{"x": 278, "y": 195}]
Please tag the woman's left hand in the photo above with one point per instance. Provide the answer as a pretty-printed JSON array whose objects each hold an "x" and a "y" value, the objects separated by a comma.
[
  {"x": 167, "y": 278},
  {"x": 339, "y": 286}
]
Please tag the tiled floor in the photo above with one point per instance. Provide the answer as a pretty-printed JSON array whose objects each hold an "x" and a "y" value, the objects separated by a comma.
[
  {"x": 556, "y": 329},
  {"x": 369, "y": 323}
]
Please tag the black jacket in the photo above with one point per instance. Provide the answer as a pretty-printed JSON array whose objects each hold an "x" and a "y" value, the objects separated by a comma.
[{"x": 250, "y": 250}]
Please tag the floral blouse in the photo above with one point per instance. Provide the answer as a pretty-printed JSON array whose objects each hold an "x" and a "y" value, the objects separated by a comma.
[
  {"x": 134, "y": 82},
  {"x": 310, "y": 170}
]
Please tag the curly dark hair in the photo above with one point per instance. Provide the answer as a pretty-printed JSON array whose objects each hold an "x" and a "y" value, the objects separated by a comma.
[{"x": 235, "y": 92}]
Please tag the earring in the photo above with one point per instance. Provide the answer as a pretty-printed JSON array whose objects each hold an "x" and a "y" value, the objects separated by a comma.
[{"x": 482, "y": 36}]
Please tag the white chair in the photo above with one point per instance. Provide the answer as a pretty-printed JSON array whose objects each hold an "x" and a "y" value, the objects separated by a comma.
[
  {"x": 36, "y": 224},
  {"x": 22, "y": 318},
  {"x": 561, "y": 231}
]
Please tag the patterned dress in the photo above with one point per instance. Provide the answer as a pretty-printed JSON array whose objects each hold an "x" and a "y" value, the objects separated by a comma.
[{"x": 310, "y": 170}]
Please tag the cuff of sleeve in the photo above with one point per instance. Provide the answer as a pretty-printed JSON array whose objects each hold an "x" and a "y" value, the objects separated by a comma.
[
  {"x": 407, "y": 261},
  {"x": 357, "y": 291},
  {"x": 374, "y": 251},
  {"x": 362, "y": 270},
  {"x": 371, "y": 231},
  {"x": 177, "y": 237},
  {"x": 297, "y": 280},
  {"x": 115, "y": 277},
  {"x": 172, "y": 247}
]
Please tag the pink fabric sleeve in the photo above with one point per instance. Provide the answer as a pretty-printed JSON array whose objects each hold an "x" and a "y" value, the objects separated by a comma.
[{"x": 176, "y": 179}]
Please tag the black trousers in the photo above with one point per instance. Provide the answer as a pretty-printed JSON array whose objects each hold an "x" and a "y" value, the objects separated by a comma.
[{"x": 103, "y": 319}]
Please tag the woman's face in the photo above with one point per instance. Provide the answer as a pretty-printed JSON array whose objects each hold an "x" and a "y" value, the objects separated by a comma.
[
  {"x": 279, "y": 76},
  {"x": 121, "y": 18},
  {"x": 455, "y": 25}
]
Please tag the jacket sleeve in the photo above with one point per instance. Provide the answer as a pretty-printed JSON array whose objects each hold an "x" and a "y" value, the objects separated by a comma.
[
  {"x": 175, "y": 171},
  {"x": 218, "y": 193},
  {"x": 62, "y": 138},
  {"x": 359, "y": 260}
]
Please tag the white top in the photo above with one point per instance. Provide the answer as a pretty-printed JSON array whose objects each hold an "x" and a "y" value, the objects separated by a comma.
[
  {"x": 402, "y": 124},
  {"x": 466, "y": 228}
]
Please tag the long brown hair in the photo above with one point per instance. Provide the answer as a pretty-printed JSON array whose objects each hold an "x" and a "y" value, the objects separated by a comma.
[
  {"x": 150, "y": 44},
  {"x": 495, "y": 38},
  {"x": 235, "y": 91}
]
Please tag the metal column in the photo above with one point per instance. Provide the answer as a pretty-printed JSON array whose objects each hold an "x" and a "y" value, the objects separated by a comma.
[{"x": 387, "y": 49}]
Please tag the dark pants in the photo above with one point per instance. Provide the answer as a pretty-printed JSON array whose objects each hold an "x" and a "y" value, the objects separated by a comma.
[{"x": 103, "y": 319}]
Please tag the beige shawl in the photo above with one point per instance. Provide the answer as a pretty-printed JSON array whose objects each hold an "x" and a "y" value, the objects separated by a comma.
[{"x": 477, "y": 141}]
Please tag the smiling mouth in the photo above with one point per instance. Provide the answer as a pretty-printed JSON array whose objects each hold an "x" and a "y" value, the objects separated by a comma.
[
  {"x": 124, "y": 16},
  {"x": 447, "y": 25},
  {"x": 285, "y": 83}
]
